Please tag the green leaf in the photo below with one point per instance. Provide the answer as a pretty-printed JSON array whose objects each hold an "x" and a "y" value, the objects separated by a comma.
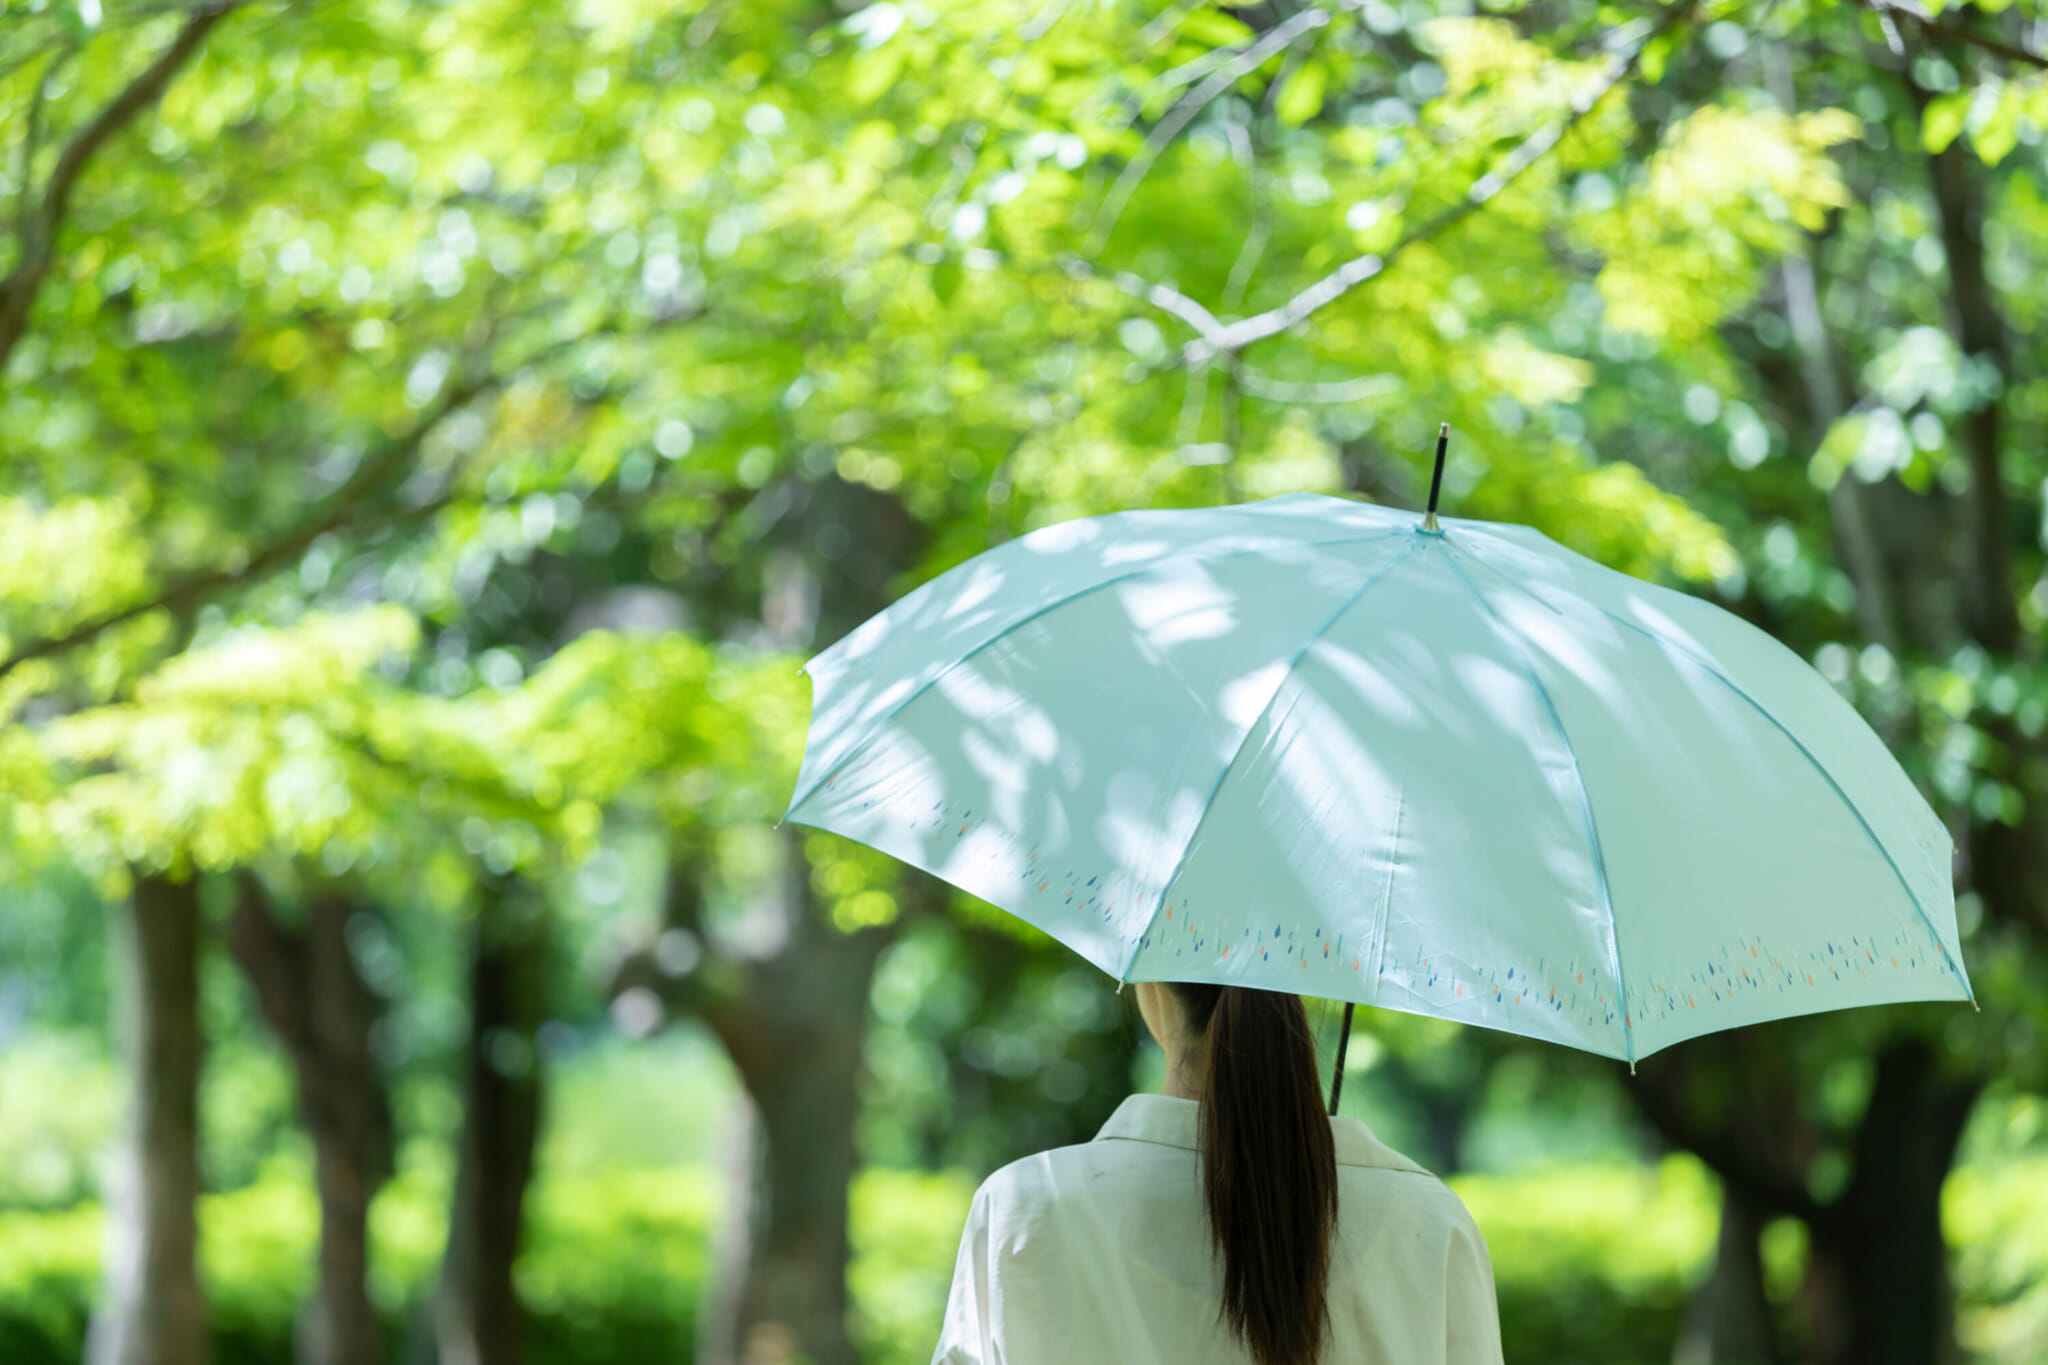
[
  {"x": 1302, "y": 97},
  {"x": 1217, "y": 30},
  {"x": 1837, "y": 450},
  {"x": 1655, "y": 54},
  {"x": 1944, "y": 119},
  {"x": 2002, "y": 129},
  {"x": 946, "y": 277},
  {"x": 872, "y": 73}
]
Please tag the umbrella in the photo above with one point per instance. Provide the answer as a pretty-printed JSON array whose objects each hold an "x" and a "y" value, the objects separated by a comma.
[{"x": 1446, "y": 767}]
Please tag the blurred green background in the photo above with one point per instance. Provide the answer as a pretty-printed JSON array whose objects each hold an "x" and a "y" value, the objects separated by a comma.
[{"x": 432, "y": 433}]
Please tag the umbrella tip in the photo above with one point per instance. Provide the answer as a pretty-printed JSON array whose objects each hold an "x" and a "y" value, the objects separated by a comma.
[{"x": 1436, "y": 478}]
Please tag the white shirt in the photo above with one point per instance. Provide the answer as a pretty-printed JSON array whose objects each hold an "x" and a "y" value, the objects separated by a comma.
[{"x": 1100, "y": 1253}]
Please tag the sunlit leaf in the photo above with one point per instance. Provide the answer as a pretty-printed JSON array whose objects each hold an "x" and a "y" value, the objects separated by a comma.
[
  {"x": 1302, "y": 97},
  {"x": 1943, "y": 119}
]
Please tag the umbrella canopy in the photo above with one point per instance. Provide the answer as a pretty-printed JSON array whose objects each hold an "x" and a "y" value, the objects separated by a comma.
[{"x": 1319, "y": 746}]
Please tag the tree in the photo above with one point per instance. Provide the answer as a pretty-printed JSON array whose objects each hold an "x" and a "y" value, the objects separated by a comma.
[
  {"x": 1935, "y": 568},
  {"x": 315, "y": 1000},
  {"x": 154, "y": 1310},
  {"x": 511, "y": 317}
]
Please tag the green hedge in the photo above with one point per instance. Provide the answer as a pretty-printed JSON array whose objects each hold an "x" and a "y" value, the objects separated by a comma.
[
  {"x": 1592, "y": 1263},
  {"x": 610, "y": 1275}
]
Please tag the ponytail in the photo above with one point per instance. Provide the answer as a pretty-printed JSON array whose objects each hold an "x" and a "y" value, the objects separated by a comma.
[{"x": 1269, "y": 1167}]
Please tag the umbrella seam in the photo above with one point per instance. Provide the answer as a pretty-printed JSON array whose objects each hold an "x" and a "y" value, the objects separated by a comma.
[
  {"x": 1387, "y": 899},
  {"x": 1294, "y": 660},
  {"x": 1707, "y": 666},
  {"x": 1026, "y": 620},
  {"x": 1592, "y": 828},
  {"x": 1862, "y": 823}
]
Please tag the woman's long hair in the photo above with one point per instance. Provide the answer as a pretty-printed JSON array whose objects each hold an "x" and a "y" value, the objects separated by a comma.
[{"x": 1269, "y": 1167}]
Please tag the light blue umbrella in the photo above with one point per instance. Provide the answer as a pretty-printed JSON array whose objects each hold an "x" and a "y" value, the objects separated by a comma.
[{"x": 1319, "y": 746}]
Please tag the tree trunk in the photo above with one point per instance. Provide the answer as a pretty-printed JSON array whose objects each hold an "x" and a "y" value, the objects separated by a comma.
[
  {"x": 790, "y": 1006},
  {"x": 479, "y": 1319},
  {"x": 1877, "y": 1278},
  {"x": 1879, "y": 1269},
  {"x": 153, "y": 1311},
  {"x": 1990, "y": 613},
  {"x": 786, "y": 992},
  {"x": 317, "y": 1003},
  {"x": 802, "y": 1081},
  {"x": 1728, "y": 1321},
  {"x": 795, "y": 1037}
]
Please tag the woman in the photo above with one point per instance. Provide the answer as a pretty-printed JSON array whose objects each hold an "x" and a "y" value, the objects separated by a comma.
[{"x": 1227, "y": 1220}]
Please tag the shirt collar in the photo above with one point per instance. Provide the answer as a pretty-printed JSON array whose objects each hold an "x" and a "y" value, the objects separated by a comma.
[{"x": 1172, "y": 1122}]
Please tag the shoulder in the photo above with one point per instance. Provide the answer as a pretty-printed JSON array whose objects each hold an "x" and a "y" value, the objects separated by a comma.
[
  {"x": 1467, "y": 1242},
  {"x": 1019, "y": 1212},
  {"x": 1035, "y": 1181},
  {"x": 1404, "y": 1193},
  {"x": 1084, "y": 1185}
]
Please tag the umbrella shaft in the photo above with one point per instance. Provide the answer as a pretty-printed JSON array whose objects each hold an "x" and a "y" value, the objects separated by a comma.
[
  {"x": 1436, "y": 478},
  {"x": 1343, "y": 1044}
]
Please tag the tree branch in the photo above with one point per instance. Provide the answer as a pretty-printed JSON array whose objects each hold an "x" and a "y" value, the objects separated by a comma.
[
  {"x": 1848, "y": 500},
  {"x": 1235, "y": 66},
  {"x": 39, "y": 242},
  {"x": 31, "y": 143},
  {"x": 1341, "y": 281},
  {"x": 1946, "y": 28},
  {"x": 23, "y": 58},
  {"x": 1990, "y": 612},
  {"x": 377, "y": 475},
  {"x": 1330, "y": 391},
  {"x": 373, "y": 477},
  {"x": 1164, "y": 297}
]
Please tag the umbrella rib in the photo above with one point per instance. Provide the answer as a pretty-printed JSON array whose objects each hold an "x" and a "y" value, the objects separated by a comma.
[
  {"x": 1592, "y": 829},
  {"x": 1707, "y": 666},
  {"x": 1209, "y": 802},
  {"x": 1814, "y": 762},
  {"x": 854, "y": 751}
]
